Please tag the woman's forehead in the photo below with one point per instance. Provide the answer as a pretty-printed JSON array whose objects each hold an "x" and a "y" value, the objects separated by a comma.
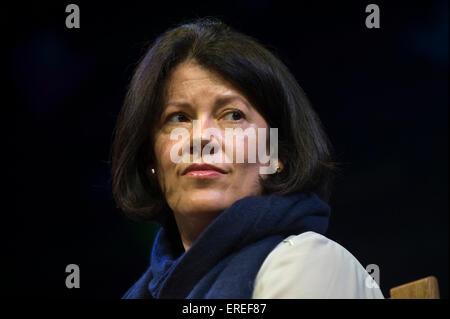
[{"x": 189, "y": 82}]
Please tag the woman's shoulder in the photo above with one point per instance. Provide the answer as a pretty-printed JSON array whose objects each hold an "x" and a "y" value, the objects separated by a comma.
[{"x": 311, "y": 265}]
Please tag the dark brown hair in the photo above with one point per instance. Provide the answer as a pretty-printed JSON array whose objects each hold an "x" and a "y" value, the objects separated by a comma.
[{"x": 304, "y": 148}]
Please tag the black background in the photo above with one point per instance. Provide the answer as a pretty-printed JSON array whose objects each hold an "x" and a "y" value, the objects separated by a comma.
[{"x": 382, "y": 95}]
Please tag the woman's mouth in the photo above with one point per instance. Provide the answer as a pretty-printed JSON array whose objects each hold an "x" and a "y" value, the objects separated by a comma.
[{"x": 203, "y": 171}]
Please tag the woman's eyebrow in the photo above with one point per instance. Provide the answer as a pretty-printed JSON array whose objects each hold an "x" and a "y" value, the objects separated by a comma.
[
  {"x": 168, "y": 105},
  {"x": 220, "y": 101},
  {"x": 181, "y": 104}
]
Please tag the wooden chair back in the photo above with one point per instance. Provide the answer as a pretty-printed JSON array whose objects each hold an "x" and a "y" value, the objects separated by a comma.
[{"x": 425, "y": 288}]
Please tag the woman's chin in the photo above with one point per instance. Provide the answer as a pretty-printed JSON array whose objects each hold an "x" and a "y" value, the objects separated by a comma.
[{"x": 204, "y": 201}]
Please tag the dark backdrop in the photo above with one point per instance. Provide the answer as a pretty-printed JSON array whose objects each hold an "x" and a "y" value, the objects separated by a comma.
[{"x": 382, "y": 95}]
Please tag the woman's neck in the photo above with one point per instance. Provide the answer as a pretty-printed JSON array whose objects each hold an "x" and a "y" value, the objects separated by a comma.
[{"x": 190, "y": 227}]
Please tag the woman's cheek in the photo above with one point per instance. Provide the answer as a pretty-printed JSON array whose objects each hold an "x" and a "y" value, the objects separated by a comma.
[
  {"x": 165, "y": 167},
  {"x": 162, "y": 150}
]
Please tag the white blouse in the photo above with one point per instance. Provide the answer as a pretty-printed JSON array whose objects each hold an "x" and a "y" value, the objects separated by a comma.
[{"x": 312, "y": 266}]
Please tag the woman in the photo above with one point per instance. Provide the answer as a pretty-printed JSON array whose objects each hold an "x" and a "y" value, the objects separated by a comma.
[{"x": 228, "y": 230}]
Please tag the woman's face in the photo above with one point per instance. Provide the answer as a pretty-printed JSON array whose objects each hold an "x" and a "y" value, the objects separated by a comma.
[{"x": 194, "y": 93}]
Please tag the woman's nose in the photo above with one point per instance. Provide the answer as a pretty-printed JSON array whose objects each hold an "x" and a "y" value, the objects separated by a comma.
[{"x": 205, "y": 130}]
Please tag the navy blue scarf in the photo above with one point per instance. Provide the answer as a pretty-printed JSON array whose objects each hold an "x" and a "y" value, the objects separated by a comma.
[{"x": 224, "y": 260}]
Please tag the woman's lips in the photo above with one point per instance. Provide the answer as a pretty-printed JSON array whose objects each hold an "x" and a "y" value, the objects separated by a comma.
[
  {"x": 203, "y": 174},
  {"x": 203, "y": 171}
]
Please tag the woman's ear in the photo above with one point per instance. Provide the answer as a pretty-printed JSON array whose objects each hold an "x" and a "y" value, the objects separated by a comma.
[
  {"x": 151, "y": 172},
  {"x": 280, "y": 166}
]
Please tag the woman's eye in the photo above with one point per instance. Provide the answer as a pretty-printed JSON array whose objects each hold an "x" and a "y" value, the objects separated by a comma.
[
  {"x": 179, "y": 117},
  {"x": 233, "y": 116}
]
